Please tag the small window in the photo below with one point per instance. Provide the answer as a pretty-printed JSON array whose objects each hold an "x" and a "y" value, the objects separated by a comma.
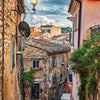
[
  {"x": 48, "y": 30},
  {"x": 54, "y": 61},
  {"x": 42, "y": 30},
  {"x": 54, "y": 80},
  {"x": 35, "y": 64},
  {"x": 13, "y": 54},
  {"x": 70, "y": 77},
  {"x": 62, "y": 58},
  {"x": 61, "y": 77}
]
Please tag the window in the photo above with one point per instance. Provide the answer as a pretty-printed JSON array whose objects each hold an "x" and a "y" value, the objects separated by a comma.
[
  {"x": 61, "y": 77},
  {"x": 35, "y": 64},
  {"x": 70, "y": 77},
  {"x": 35, "y": 92},
  {"x": 13, "y": 54},
  {"x": 54, "y": 80},
  {"x": 76, "y": 21},
  {"x": 43, "y": 30},
  {"x": 62, "y": 58},
  {"x": 54, "y": 61},
  {"x": 48, "y": 30}
]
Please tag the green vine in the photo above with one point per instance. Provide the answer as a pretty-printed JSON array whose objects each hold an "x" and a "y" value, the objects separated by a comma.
[
  {"x": 27, "y": 79},
  {"x": 87, "y": 63}
]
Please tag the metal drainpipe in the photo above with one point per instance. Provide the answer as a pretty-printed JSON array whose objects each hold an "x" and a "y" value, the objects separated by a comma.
[
  {"x": 79, "y": 22},
  {"x": 3, "y": 55}
]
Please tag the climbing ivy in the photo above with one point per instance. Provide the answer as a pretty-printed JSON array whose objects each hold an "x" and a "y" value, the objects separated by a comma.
[
  {"x": 27, "y": 79},
  {"x": 86, "y": 61}
]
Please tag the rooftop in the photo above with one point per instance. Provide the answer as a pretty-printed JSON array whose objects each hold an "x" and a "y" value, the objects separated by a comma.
[
  {"x": 47, "y": 26},
  {"x": 50, "y": 47}
]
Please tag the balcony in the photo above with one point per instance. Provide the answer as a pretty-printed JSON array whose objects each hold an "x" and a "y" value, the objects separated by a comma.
[{"x": 95, "y": 29}]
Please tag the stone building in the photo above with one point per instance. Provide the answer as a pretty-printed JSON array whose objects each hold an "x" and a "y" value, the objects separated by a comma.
[
  {"x": 50, "y": 61},
  {"x": 12, "y": 16}
]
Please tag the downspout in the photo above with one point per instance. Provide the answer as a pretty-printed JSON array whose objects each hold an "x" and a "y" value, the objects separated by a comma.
[
  {"x": 3, "y": 54},
  {"x": 79, "y": 1}
]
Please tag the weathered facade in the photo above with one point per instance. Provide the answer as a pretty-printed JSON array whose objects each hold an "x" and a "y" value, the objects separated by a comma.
[
  {"x": 12, "y": 17},
  {"x": 50, "y": 61}
]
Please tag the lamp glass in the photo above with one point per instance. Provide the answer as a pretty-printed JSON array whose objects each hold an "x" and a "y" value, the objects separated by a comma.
[{"x": 34, "y": 2}]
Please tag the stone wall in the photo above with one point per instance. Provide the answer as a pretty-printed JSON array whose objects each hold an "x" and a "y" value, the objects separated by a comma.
[
  {"x": 11, "y": 88},
  {"x": 44, "y": 74},
  {"x": 30, "y": 54}
]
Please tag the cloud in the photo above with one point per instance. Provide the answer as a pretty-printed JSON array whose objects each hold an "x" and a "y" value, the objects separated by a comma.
[
  {"x": 55, "y": 2},
  {"x": 46, "y": 21},
  {"x": 52, "y": 10},
  {"x": 49, "y": 11}
]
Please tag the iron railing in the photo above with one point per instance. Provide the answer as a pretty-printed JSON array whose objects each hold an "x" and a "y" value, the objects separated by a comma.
[{"x": 95, "y": 28}]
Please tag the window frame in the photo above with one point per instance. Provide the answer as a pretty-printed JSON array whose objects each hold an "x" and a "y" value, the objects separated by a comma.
[
  {"x": 54, "y": 80},
  {"x": 36, "y": 64},
  {"x": 13, "y": 54},
  {"x": 61, "y": 78},
  {"x": 62, "y": 58},
  {"x": 54, "y": 61}
]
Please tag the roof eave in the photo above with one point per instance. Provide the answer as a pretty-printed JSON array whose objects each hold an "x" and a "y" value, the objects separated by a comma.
[
  {"x": 66, "y": 51},
  {"x": 49, "y": 52},
  {"x": 73, "y": 6},
  {"x": 71, "y": 2},
  {"x": 70, "y": 18}
]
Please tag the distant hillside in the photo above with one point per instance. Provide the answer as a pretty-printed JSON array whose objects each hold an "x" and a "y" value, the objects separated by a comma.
[{"x": 65, "y": 30}]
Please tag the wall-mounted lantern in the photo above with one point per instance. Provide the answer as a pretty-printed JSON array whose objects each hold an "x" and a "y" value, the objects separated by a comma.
[{"x": 34, "y": 3}]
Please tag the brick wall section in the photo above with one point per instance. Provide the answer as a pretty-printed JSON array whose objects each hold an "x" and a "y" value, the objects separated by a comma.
[
  {"x": 45, "y": 72},
  {"x": 10, "y": 77}
]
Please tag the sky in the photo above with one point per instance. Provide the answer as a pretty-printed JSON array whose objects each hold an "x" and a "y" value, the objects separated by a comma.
[{"x": 49, "y": 11}]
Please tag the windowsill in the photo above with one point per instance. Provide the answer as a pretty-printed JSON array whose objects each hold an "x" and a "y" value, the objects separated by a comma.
[
  {"x": 37, "y": 69},
  {"x": 62, "y": 63},
  {"x": 12, "y": 70}
]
